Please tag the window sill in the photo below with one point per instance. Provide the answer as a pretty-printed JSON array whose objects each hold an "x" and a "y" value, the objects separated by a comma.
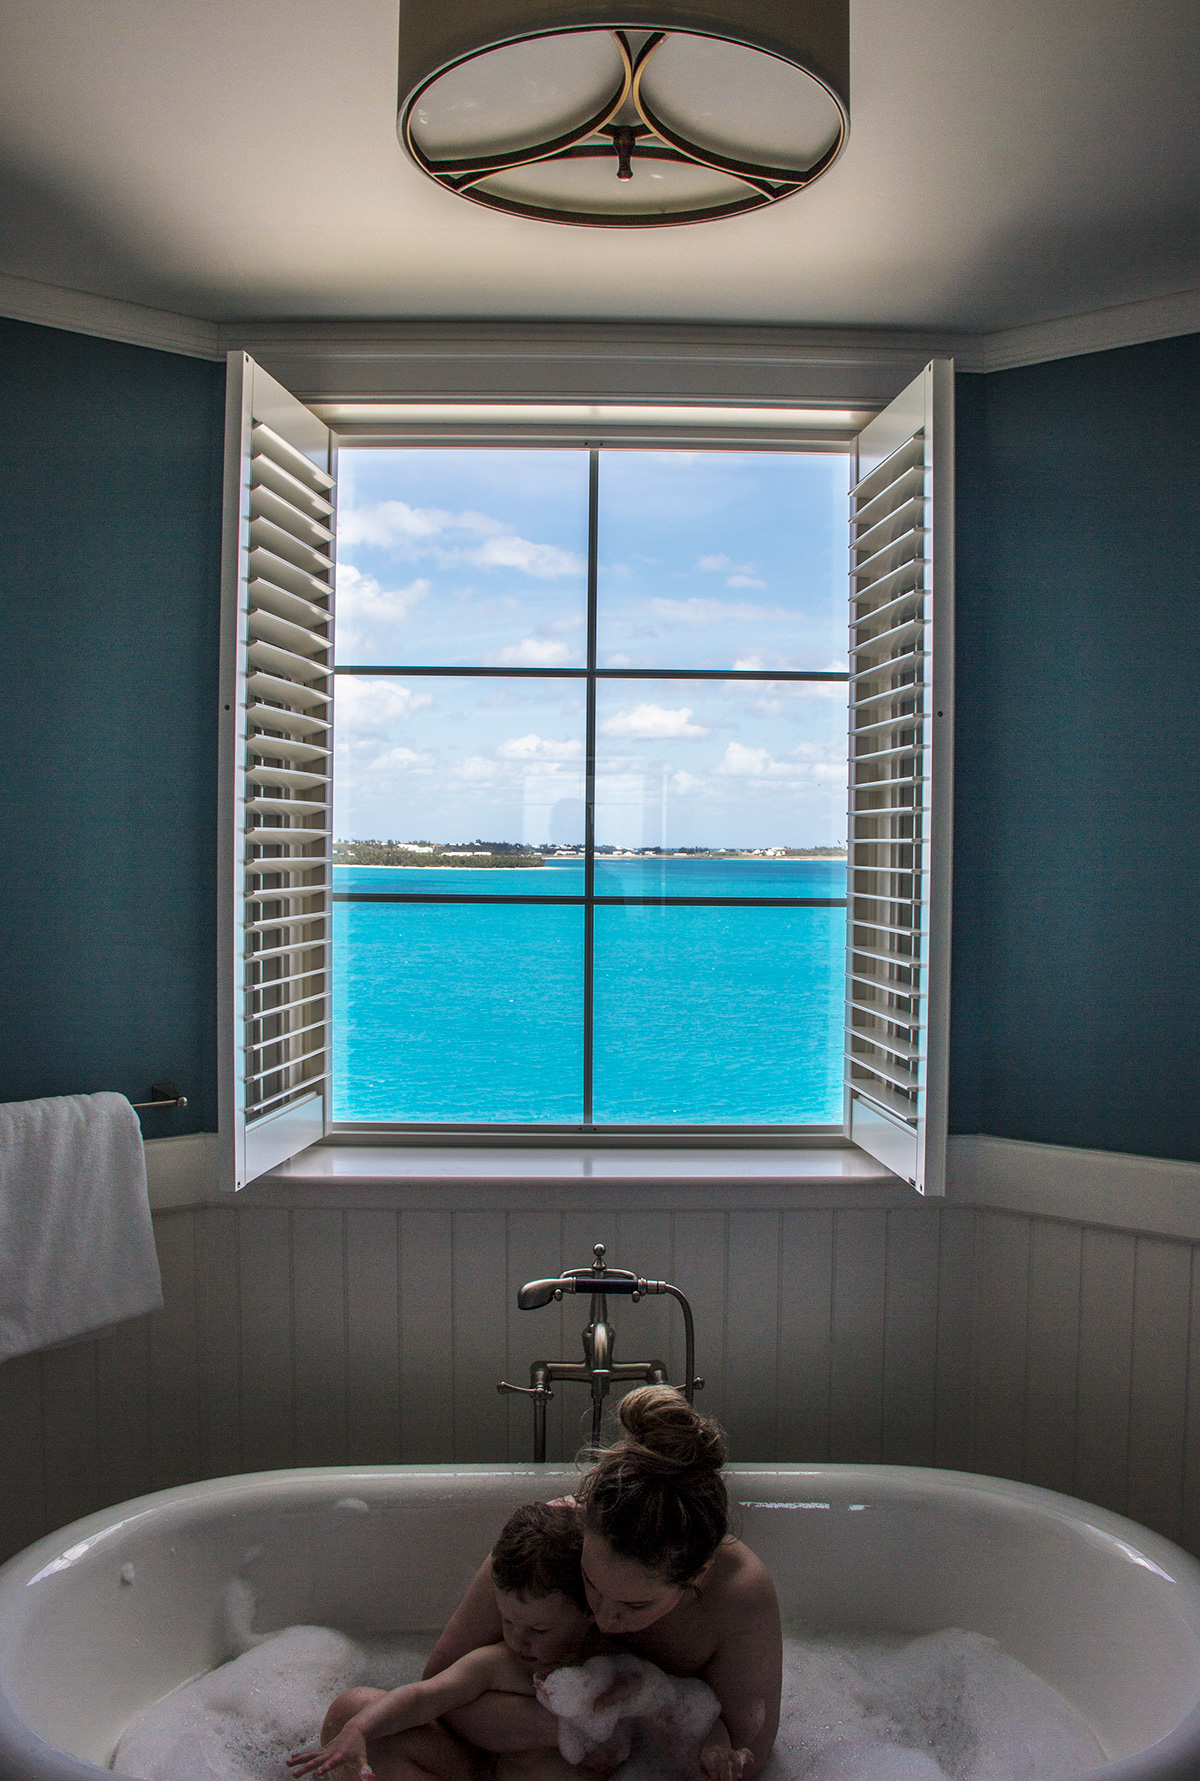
[{"x": 473, "y": 1177}]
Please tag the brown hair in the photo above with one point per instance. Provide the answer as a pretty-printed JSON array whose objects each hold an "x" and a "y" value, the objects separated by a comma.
[
  {"x": 539, "y": 1551},
  {"x": 658, "y": 1496}
]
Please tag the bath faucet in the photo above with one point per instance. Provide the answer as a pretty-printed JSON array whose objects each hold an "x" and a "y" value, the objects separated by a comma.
[{"x": 598, "y": 1368}]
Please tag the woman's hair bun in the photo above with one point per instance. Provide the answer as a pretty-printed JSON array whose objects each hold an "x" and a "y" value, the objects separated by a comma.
[
  {"x": 658, "y": 1495},
  {"x": 660, "y": 1423}
]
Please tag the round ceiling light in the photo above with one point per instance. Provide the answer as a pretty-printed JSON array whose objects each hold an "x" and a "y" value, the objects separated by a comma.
[{"x": 660, "y": 112}]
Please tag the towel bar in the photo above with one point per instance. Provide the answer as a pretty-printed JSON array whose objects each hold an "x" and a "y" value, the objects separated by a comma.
[{"x": 164, "y": 1096}]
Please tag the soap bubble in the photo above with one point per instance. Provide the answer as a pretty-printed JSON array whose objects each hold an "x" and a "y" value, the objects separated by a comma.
[{"x": 945, "y": 1706}]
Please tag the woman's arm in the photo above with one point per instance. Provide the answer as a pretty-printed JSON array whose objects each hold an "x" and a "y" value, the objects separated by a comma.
[
  {"x": 746, "y": 1672},
  {"x": 475, "y": 1622},
  {"x": 495, "y": 1721}
]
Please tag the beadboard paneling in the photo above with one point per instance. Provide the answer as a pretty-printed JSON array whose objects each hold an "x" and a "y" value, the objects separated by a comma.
[
  {"x": 929, "y": 1334},
  {"x": 1055, "y": 1274}
]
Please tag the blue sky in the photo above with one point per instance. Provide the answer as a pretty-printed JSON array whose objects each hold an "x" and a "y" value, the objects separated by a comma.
[{"x": 454, "y": 557}]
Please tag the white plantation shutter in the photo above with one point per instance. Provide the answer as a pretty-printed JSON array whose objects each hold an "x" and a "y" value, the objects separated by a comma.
[
  {"x": 901, "y": 759},
  {"x": 276, "y": 736}
]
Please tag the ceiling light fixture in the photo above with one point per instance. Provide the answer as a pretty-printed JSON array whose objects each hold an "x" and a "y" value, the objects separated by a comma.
[{"x": 664, "y": 111}]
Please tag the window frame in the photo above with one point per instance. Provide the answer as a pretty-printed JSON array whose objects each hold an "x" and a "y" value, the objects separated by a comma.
[
  {"x": 453, "y": 425},
  {"x": 741, "y": 1134}
]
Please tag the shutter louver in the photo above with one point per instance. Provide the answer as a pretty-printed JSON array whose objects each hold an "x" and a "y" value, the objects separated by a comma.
[
  {"x": 278, "y": 711},
  {"x": 901, "y": 729}
]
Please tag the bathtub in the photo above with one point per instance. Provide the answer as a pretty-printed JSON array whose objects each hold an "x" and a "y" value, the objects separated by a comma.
[{"x": 103, "y": 1618}]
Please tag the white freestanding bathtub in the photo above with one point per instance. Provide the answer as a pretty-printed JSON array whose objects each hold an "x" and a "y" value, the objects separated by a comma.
[{"x": 98, "y": 1621}]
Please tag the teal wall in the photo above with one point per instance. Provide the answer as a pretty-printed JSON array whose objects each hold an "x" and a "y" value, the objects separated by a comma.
[
  {"x": 1077, "y": 850},
  {"x": 1077, "y": 856},
  {"x": 110, "y": 471}
]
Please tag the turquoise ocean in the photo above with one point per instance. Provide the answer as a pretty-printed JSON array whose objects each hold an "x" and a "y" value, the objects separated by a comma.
[{"x": 472, "y": 1013}]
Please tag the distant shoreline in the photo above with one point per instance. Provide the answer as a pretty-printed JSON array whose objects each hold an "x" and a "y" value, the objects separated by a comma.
[{"x": 602, "y": 859}]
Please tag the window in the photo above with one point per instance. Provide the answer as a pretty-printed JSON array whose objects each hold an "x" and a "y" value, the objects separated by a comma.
[
  {"x": 590, "y": 786},
  {"x": 590, "y": 789}
]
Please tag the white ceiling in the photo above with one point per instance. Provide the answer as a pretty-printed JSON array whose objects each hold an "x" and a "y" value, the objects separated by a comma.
[{"x": 1009, "y": 161}]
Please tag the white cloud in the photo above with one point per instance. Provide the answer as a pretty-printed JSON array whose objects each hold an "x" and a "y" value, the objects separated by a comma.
[
  {"x": 366, "y": 706},
  {"x": 394, "y": 522},
  {"x": 433, "y": 531},
  {"x": 401, "y": 760},
  {"x": 652, "y": 722},
  {"x": 545, "y": 561},
  {"x": 364, "y": 602},
  {"x": 540, "y": 748},
  {"x": 745, "y": 762},
  {"x": 715, "y": 612},
  {"x": 684, "y": 783},
  {"x": 477, "y": 767},
  {"x": 740, "y": 762},
  {"x": 619, "y": 661},
  {"x": 736, "y": 574},
  {"x": 535, "y": 652}
]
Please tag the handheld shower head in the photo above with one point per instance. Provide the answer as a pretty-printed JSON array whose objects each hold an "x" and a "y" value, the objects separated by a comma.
[{"x": 536, "y": 1293}]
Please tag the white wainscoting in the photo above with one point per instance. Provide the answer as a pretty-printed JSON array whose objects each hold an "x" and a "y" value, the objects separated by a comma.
[
  {"x": 854, "y": 1322},
  {"x": 1101, "y": 1187}
]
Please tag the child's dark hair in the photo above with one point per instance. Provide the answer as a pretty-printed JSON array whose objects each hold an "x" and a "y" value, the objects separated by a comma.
[{"x": 539, "y": 1552}]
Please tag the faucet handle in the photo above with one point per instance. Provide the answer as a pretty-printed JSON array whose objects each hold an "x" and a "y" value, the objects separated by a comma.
[{"x": 526, "y": 1391}]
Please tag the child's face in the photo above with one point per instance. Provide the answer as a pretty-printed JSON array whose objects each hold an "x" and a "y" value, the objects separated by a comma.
[{"x": 542, "y": 1629}]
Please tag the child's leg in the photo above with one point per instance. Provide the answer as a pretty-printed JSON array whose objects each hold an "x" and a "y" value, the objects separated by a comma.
[
  {"x": 426, "y": 1753},
  {"x": 535, "y": 1765}
]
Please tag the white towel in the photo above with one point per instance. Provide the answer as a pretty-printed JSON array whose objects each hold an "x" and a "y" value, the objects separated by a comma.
[{"x": 76, "y": 1243}]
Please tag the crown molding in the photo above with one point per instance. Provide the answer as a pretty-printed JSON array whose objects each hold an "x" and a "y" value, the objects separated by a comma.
[
  {"x": 587, "y": 362},
  {"x": 448, "y": 361},
  {"x": 1098, "y": 330},
  {"x": 108, "y": 318}
]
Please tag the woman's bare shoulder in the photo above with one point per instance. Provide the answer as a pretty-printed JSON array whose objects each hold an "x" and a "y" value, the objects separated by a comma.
[{"x": 739, "y": 1582}]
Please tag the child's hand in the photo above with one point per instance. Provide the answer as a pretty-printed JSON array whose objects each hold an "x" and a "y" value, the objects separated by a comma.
[
  {"x": 349, "y": 1747},
  {"x": 720, "y": 1763}
]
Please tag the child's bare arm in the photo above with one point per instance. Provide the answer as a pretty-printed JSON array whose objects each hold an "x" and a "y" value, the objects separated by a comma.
[{"x": 416, "y": 1703}]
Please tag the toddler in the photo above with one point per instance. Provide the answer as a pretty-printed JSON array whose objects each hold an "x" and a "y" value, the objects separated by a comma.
[{"x": 545, "y": 1621}]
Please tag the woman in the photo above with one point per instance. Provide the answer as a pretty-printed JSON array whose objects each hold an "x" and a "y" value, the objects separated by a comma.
[{"x": 664, "y": 1579}]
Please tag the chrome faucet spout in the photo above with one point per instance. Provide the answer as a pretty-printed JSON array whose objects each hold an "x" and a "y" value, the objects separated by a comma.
[{"x": 599, "y": 1370}]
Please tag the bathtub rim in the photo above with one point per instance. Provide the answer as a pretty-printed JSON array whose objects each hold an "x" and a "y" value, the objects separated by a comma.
[{"x": 1175, "y": 1757}]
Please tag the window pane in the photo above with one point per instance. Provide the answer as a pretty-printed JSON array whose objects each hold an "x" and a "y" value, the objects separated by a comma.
[
  {"x": 719, "y": 1016},
  {"x": 718, "y": 765},
  {"x": 463, "y": 557},
  {"x": 722, "y": 560},
  {"x": 446, "y": 763},
  {"x": 457, "y": 1013}
]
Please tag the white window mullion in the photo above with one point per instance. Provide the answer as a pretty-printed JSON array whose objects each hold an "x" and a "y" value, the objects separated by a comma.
[
  {"x": 900, "y": 781},
  {"x": 276, "y": 742}
]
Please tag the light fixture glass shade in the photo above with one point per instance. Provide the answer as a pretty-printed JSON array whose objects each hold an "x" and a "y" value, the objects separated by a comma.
[{"x": 689, "y": 113}]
